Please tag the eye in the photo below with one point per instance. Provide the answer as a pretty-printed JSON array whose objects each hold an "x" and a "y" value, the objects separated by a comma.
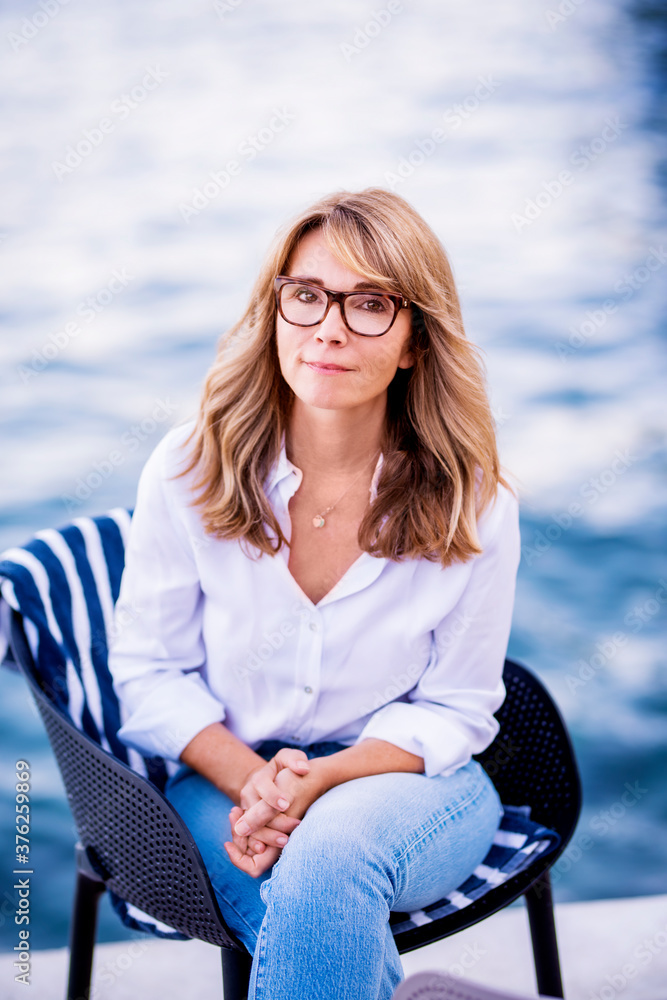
[
  {"x": 378, "y": 304},
  {"x": 303, "y": 293}
]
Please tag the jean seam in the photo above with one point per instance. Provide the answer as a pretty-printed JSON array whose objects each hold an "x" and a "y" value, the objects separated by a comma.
[{"x": 260, "y": 958}]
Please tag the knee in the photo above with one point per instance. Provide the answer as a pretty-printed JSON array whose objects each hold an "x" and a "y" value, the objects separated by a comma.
[{"x": 332, "y": 861}]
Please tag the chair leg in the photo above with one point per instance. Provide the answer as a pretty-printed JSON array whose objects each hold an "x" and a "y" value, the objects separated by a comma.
[
  {"x": 235, "y": 974},
  {"x": 539, "y": 902},
  {"x": 82, "y": 935}
]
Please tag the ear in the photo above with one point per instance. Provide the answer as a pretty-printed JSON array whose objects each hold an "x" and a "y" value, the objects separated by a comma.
[{"x": 406, "y": 360}]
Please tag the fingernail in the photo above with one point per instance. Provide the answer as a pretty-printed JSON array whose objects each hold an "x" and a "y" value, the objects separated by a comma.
[
  {"x": 242, "y": 828},
  {"x": 283, "y": 803},
  {"x": 281, "y": 841}
]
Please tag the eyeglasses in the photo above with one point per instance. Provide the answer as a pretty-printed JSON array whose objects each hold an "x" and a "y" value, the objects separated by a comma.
[{"x": 370, "y": 314}]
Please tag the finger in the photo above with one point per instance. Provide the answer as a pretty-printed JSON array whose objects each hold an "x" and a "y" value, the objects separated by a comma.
[
  {"x": 268, "y": 838},
  {"x": 286, "y": 824},
  {"x": 254, "y": 818},
  {"x": 264, "y": 784},
  {"x": 258, "y": 846},
  {"x": 295, "y": 760},
  {"x": 253, "y": 866},
  {"x": 241, "y": 842}
]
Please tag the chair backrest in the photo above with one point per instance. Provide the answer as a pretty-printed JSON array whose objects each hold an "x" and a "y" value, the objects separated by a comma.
[
  {"x": 531, "y": 760},
  {"x": 134, "y": 839},
  {"x": 65, "y": 583}
]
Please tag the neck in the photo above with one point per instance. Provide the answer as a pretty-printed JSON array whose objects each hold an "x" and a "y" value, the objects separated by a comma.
[{"x": 330, "y": 442}]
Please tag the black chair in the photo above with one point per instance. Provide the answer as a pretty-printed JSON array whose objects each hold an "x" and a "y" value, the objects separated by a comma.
[{"x": 134, "y": 843}]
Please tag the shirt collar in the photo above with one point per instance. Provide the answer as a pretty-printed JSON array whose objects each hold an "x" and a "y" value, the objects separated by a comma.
[{"x": 282, "y": 468}]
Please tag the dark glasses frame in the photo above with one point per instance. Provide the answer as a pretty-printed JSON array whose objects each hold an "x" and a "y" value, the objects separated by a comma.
[{"x": 399, "y": 302}]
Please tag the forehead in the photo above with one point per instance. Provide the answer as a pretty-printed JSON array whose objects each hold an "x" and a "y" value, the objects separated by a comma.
[{"x": 312, "y": 258}]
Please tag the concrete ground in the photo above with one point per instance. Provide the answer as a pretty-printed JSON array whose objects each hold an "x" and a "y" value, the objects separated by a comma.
[{"x": 609, "y": 949}]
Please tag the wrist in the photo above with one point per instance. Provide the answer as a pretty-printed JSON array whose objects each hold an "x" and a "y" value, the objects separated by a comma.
[
  {"x": 322, "y": 775},
  {"x": 243, "y": 776}
]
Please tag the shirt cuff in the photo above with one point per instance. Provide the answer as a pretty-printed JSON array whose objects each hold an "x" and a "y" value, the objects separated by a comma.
[
  {"x": 428, "y": 734},
  {"x": 170, "y": 716}
]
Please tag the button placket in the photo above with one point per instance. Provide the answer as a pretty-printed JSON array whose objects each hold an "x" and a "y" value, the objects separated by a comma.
[
  {"x": 306, "y": 677},
  {"x": 312, "y": 671}
]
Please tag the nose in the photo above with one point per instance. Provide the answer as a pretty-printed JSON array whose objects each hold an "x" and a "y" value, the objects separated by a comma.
[{"x": 332, "y": 329}]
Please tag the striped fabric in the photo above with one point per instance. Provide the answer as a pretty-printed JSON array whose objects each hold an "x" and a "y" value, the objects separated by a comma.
[
  {"x": 65, "y": 584},
  {"x": 517, "y": 843}
]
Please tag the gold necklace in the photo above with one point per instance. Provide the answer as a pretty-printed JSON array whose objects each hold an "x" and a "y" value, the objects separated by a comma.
[{"x": 318, "y": 520}]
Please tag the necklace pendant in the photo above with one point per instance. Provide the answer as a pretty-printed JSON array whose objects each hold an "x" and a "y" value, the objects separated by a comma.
[{"x": 318, "y": 521}]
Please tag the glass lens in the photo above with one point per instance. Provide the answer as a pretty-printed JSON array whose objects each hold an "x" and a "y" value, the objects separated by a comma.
[
  {"x": 303, "y": 304},
  {"x": 369, "y": 314}
]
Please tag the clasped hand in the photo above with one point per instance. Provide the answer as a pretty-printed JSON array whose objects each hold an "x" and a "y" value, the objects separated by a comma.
[{"x": 273, "y": 801}]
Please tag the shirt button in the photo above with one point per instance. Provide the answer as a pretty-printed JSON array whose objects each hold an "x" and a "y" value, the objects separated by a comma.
[
  {"x": 308, "y": 690},
  {"x": 313, "y": 626}
]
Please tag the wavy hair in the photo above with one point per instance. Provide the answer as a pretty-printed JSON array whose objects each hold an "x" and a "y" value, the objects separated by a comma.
[{"x": 440, "y": 463}]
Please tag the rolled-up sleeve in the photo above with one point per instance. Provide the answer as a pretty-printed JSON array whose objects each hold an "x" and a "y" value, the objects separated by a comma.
[
  {"x": 157, "y": 650},
  {"x": 448, "y": 716}
]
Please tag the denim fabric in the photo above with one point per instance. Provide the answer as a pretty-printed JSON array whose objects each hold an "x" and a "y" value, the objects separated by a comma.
[{"x": 317, "y": 922}]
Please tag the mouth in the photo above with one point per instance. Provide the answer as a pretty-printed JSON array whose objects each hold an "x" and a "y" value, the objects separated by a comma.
[{"x": 322, "y": 366}]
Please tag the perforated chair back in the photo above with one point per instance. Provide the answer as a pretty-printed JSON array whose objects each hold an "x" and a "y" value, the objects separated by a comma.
[
  {"x": 134, "y": 840},
  {"x": 531, "y": 762}
]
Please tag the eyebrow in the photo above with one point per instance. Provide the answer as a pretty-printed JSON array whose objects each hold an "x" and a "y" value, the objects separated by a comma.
[{"x": 312, "y": 280}]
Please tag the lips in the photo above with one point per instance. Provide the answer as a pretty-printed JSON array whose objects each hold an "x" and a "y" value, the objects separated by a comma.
[{"x": 325, "y": 366}]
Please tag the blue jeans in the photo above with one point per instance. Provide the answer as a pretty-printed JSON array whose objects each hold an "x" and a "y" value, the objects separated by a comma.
[{"x": 317, "y": 922}]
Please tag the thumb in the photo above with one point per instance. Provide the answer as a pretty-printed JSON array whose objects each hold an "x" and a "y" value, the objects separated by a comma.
[{"x": 295, "y": 760}]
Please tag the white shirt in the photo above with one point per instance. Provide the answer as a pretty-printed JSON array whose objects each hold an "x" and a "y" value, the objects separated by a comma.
[{"x": 408, "y": 652}]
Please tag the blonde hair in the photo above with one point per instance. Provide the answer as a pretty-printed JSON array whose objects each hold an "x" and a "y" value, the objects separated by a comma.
[{"x": 440, "y": 464}]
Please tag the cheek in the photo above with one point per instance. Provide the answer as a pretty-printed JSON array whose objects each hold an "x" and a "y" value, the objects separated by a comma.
[
  {"x": 285, "y": 345},
  {"x": 383, "y": 360}
]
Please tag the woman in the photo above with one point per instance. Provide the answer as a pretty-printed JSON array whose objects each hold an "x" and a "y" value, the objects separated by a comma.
[{"x": 319, "y": 581}]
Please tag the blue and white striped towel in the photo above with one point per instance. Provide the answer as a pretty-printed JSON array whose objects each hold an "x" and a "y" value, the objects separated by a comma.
[{"x": 65, "y": 584}]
